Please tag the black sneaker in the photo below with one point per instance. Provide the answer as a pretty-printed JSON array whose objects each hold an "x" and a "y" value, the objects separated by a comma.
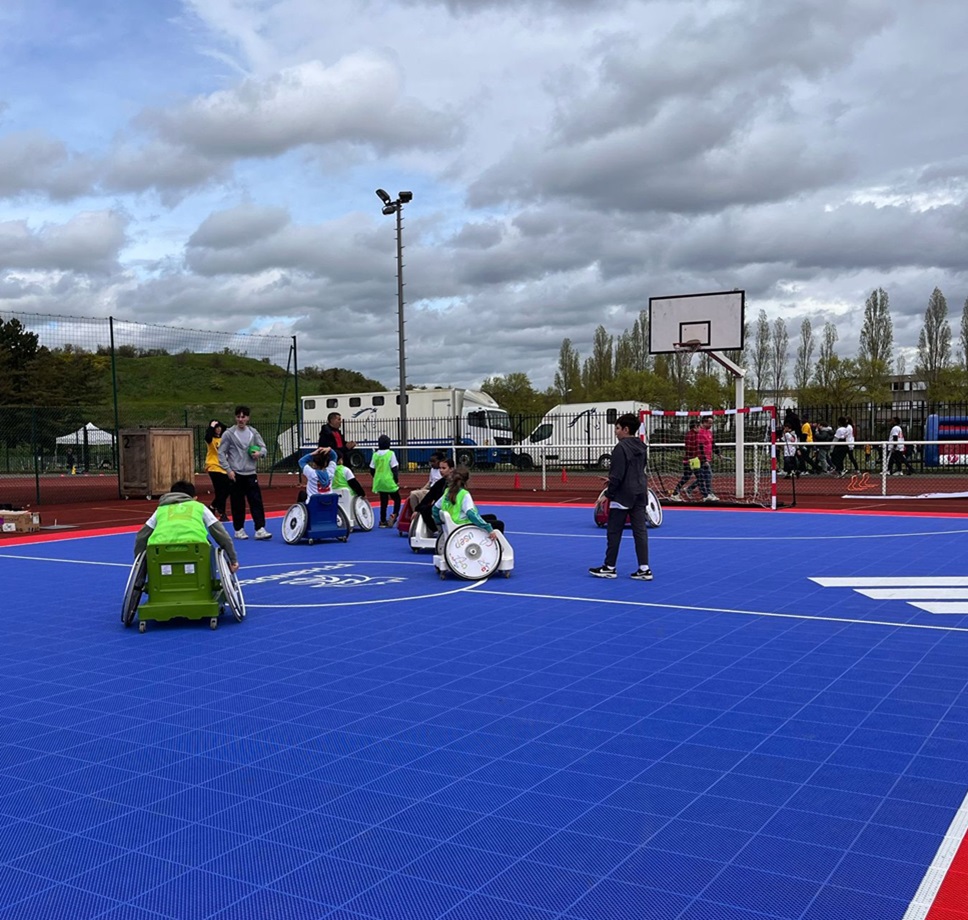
[
  {"x": 604, "y": 571},
  {"x": 642, "y": 574}
]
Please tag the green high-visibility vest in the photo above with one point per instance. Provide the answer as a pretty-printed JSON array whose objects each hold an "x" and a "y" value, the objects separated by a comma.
[
  {"x": 339, "y": 478},
  {"x": 453, "y": 508},
  {"x": 383, "y": 480},
  {"x": 182, "y": 522}
]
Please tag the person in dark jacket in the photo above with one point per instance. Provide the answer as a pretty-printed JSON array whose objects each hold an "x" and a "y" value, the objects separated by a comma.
[
  {"x": 628, "y": 494},
  {"x": 330, "y": 435}
]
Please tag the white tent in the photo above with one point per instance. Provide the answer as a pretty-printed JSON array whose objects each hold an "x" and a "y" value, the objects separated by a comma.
[{"x": 89, "y": 434}]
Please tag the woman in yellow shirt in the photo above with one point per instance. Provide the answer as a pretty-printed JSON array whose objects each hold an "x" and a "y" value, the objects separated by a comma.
[{"x": 221, "y": 484}]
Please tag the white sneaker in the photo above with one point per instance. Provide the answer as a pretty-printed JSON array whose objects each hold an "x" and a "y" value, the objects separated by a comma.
[
  {"x": 710, "y": 498},
  {"x": 241, "y": 535},
  {"x": 674, "y": 497},
  {"x": 263, "y": 534}
]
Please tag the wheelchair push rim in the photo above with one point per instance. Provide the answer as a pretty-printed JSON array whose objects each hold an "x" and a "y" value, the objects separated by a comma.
[
  {"x": 134, "y": 588},
  {"x": 295, "y": 523},
  {"x": 231, "y": 588},
  {"x": 471, "y": 553},
  {"x": 363, "y": 512}
]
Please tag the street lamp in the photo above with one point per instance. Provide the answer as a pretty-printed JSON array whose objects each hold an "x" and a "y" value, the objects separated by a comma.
[{"x": 396, "y": 207}]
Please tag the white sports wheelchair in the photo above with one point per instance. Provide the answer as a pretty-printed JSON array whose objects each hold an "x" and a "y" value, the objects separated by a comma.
[
  {"x": 358, "y": 511},
  {"x": 470, "y": 552}
]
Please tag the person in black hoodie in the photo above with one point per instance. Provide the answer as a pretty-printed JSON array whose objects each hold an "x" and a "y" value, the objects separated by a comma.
[{"x": 627, "y": 493}]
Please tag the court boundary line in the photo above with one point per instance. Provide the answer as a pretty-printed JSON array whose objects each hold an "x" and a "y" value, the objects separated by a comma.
[
  {"x": 749, "y": 613},
  {"x": 938, "y": 874}
]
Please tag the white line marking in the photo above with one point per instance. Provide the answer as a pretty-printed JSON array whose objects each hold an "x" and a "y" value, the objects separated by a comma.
[
  {"x": 772, "y": 538},
  {"x": 942, "y": 607},
  {"x": 124, "y": 565},
  {"x": 909, "y": 594},
  {"x": 379, "y": 600},
  {"x": 903, "y": 581},
  {"x": 931, "y": 883},
  {"x": 748, "y": 613}
]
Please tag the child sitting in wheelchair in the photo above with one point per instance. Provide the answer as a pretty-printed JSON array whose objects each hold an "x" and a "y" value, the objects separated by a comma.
[
  {"x": 457, "y": 504},
  {"x": 320, "y": 468},
  {"x": 179, "y": 518}
]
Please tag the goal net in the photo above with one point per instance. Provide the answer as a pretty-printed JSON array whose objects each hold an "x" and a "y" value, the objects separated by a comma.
[{"x": 743, "y": 467}]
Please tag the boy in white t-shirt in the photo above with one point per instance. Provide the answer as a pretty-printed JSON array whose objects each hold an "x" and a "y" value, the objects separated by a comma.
[{"x": 898, "y": 455}]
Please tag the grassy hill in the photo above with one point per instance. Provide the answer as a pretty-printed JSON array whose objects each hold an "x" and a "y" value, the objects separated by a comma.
[{"x": 192, "y": 388}]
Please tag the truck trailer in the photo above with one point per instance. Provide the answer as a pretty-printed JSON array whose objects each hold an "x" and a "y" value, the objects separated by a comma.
[{"x": 467, "y": 423}]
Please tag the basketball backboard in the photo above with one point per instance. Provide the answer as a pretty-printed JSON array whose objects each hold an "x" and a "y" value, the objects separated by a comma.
[{"x": 699, "y": 322}]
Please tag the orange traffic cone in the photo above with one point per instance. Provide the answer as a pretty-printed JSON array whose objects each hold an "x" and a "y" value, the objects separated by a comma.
[
  {"x": 564, "y": 475},
  {"x": 517, "y": 480}
]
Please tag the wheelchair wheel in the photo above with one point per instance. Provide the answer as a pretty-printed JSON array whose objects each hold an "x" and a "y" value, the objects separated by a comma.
[
  {"x": 134, "y": 589},
  {"x": 295, "y": 523},
  {"x": 343, "y": 522},
  {"x": 471, "y": 554},
  {"x": 230, "y": 585},
  {"x": 363, "y": 512},
  {"x": 653, "y": 510}
]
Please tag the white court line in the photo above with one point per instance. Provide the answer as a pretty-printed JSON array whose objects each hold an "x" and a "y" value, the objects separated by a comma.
[
  {"x": 772, "y": 538},
  {"x": 943, "y": 858},
  {"x": 897, "y": 581},
  {"x": 913, "y": 594},
  {"x": 124, "y": 565},
  {"x": 941, "y": 607},
  {"x": 748, "y": 613}
]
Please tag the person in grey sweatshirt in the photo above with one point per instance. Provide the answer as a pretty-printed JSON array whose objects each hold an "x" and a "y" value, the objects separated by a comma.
[
  {"x": 241, "y": 447},
  {"x": 628, "y": 494}
]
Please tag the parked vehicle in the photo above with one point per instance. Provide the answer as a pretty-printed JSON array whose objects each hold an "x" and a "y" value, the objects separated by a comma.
[
  {"x": 575, "y": 434},
  {"x": 468, "y": 422}
]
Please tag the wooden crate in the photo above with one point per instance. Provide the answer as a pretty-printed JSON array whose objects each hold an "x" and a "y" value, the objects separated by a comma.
[{"x": 153, "y": 458}]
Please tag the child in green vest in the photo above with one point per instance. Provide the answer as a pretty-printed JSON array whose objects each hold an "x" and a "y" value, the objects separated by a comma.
[
  {"x": 457, "y": 504},
  {"x": 386, "y": 479}
]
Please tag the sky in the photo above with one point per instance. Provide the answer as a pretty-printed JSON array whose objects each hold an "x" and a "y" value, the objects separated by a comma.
[{"x": 212, "y": 164}]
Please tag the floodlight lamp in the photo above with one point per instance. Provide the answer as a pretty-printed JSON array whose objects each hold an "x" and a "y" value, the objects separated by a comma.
[
  {"x": 383, "y": 196},
  {"x": 391, "y": 209},
  {"x": 405, "y": 196}
]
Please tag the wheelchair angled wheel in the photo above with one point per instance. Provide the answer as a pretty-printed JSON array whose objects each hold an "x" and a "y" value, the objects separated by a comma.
[
  {"x": 363, "y": 512},
  {"x": 134, "y": 588},
  {"x": 653, "y": 510},
  {"x": 230, "y": 585},
  {"x": 343, "y": 523},
  {"x": 295, "y": 523},
  {"x": 470, "y": 553}
]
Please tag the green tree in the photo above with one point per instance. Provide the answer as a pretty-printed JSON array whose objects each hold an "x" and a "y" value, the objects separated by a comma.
[
  {"x": 19, "y": 349},
  {"x": 779, "y": 350},
  {"x": 934, "y": 342},
  {"x": 523, "y": 402},
  {"x": 803, "y": 369},
  {"x": 598, "y": 369},
  {"x": 761, "y": 352},
  {"x": 875, "y": 346},
  {"x": 964, "y": 336},
  {"x": 568, "y": 375}
]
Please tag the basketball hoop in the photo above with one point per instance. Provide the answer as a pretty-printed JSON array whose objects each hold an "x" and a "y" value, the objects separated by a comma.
[{"x": 690, "y": 345}]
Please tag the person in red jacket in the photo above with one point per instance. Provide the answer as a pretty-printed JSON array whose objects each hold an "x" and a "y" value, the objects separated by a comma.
[
  {"x": 706, "y": 450},
  {"x": 690, "y": 462}
]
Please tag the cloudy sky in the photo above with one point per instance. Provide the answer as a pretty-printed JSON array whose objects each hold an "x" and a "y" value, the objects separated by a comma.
[{"x": 212, "y": 164}]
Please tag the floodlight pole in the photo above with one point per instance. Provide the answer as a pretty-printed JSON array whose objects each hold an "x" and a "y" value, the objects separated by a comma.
[
  {"x": 396, "y": 207},
  {"x": 401, "y": 340}
]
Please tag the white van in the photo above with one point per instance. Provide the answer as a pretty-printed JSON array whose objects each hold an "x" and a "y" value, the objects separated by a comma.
[{"x": 579, "y": 434}]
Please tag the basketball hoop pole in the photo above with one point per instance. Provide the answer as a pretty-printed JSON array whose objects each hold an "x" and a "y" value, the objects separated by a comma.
[{"x": 739, "y": 383}]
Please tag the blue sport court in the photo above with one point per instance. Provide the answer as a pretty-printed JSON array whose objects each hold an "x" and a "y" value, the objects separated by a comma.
[{"x": 776, "y": 727}]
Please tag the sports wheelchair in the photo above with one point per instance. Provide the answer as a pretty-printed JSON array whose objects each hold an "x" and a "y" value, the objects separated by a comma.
[
  {"x": 470, "y": 552},
  {"x": 653, "y": 511},
  {"x": 358, "y": 511},
  {"x": 320, "y": 518},
  {"x": 179, "y": 582}
]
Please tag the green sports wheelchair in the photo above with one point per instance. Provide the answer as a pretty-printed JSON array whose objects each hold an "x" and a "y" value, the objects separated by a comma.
[{"x": 179, "y": 581}]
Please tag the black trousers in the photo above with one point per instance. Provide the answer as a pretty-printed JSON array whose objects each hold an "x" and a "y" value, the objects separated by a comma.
[
  {"x": 640, "y": 532},
  {"x": 246, "y": 489},
  {"x": 222, "y": 486}
]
